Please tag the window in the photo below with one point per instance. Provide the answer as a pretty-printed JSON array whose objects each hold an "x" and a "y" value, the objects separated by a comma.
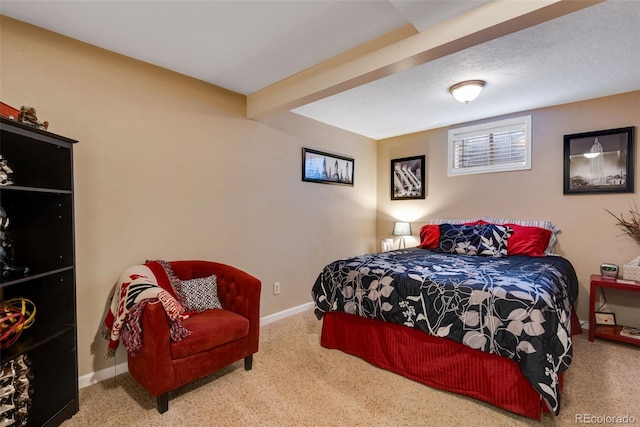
[{"x": 498, "y": 146}]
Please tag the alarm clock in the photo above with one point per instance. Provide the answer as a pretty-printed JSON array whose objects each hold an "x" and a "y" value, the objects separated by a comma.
[{"x": 608, "y": 270}]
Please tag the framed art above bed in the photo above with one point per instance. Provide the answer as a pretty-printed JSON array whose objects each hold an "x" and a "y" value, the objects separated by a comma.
[
  {"x": 599, "y": 161},
  {"x": 407, "y": 178}
]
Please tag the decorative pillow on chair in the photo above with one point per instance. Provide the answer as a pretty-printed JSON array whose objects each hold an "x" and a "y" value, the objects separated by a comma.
[
  {"x": 481, "y": 239},
  {"x": 201, "y": 294}
]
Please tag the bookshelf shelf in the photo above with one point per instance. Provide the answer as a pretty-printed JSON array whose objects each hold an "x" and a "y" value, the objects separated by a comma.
[{"x": 609, "y": 332}]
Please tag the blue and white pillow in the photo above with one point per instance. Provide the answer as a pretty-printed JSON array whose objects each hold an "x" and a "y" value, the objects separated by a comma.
[{"x": 482, "y": 239}]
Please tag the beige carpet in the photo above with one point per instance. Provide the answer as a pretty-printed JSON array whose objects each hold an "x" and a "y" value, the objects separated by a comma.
[{"x": 295, "y": 382}]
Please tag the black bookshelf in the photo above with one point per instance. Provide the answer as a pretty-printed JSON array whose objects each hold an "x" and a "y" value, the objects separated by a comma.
[{"x": 39, "y": 205}]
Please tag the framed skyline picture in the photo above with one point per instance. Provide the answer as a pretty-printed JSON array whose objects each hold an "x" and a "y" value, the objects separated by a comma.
[
  {"x": 599, "y": 161},
  {"x": 326, "y": 168},
  {"x": 407, "y": 178}
]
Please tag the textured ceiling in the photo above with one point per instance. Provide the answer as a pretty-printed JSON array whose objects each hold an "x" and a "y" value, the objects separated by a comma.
[
  {"x": 591, "y": 53},
  {"x": 246, "y": 46}
]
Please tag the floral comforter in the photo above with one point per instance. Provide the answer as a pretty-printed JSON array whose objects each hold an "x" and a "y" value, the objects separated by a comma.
[{"x": 516, "y": 306}]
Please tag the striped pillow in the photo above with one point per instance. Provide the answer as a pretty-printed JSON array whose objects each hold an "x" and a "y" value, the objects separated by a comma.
[{"x": 439, "y": 221}]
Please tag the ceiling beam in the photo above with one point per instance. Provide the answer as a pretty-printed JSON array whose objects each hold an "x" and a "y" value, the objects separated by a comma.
[{"x": 404, "y": 49}]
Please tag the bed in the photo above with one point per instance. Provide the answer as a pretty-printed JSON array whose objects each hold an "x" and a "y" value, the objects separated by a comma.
[{"x": 459, "y": 313}]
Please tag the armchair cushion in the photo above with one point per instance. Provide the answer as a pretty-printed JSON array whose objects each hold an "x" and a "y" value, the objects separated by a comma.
[{"x": 210, "y": 329}]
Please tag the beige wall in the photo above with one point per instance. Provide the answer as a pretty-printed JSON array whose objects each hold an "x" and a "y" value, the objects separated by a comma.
[
  {"x": 589, "y": 235},
  {"x": 167, "y": 167}
]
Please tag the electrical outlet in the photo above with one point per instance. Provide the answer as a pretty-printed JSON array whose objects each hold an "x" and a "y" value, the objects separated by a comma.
[{"x": 276, "y": 288}]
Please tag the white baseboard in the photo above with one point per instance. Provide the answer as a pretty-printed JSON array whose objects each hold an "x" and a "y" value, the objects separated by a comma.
[
  {"x": 286, "y": 313},
  {"x": 585, "y": 325},
  {"x": 105, "y": 374}
]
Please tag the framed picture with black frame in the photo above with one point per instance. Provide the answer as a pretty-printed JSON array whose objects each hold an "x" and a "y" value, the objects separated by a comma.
[
  {"x": 599, "y": 162},
  {"x": 326, "y": 168},
  {"x": 407, "y": 178},
  {"x": 602, "y": 318}
]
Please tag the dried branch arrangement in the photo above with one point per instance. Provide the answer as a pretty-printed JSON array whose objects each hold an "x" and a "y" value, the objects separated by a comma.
[{"x": 631, "y": 227}]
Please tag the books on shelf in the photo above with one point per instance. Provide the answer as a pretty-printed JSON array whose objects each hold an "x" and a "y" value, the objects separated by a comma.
[{"x": 628, "y": 331}]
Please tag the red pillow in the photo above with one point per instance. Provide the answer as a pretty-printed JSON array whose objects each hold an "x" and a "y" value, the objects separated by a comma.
[
  {"x": 531, "y": 241},
  {"x": 430, "y": 234}
]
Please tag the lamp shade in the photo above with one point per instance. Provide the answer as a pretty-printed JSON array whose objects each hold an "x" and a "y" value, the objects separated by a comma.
[
  {"x": 401, "y": 228},
  {"x": 467, "y": 91}
]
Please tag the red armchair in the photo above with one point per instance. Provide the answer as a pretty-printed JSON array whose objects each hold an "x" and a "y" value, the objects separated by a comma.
[{"x": 218, "y": 338}]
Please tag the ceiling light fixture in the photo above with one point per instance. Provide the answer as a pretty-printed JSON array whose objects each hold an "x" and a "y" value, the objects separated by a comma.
[{"x": 467, "y": 91}]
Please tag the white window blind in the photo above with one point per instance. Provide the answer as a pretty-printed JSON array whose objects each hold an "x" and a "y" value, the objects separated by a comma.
[{"x": 498, "y": 146}]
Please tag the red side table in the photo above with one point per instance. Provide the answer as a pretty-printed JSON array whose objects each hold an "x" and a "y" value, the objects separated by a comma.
[{"x": 607, "y": 331}]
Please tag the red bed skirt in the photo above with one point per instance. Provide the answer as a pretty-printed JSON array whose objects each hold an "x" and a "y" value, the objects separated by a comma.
[{"x": 434, "y": 361}]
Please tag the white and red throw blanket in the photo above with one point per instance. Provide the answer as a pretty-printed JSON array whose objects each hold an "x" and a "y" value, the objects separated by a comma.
[{"x": 136, "y": 287}]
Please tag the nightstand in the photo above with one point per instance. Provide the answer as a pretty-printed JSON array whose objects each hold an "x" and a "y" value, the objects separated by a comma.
[{"x": 606, "y": 331}]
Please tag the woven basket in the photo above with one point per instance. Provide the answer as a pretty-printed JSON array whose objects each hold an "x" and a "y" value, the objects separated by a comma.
[{"x": 631, "y": 270}]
